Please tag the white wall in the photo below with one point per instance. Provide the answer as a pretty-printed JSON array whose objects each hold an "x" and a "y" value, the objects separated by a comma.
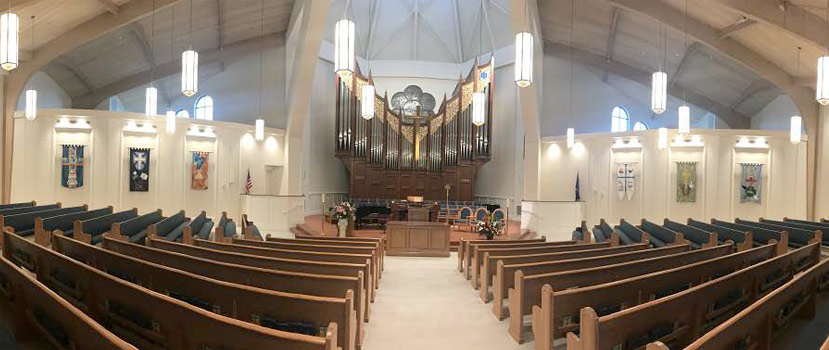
[
  {"x": 718, "y": 176},
  {"x": 37, "y": 171},
  {"x": 593, "y": 100},
  {"x": 49, "y": 94},
  {"x": 775, "y": 115}
]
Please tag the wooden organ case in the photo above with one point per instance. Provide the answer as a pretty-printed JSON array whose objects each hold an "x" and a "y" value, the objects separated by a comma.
[{"x": 398, "y": 154}]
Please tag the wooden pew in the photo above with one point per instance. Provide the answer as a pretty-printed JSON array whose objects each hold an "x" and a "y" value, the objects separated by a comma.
[
  {"x": 490, "y": 262},
  {"x": 17, "y": 205},
  {"x": 148, "y": 319},
  {"x": 27, "y": 209},
  {"x": 761, "y": 236},
  {"x": 65, "y": 222},
  {"x": 742, "y": 240},
  {"x": 558, "y": 312},
  {"x": 683, "y": 317},
  {"x": 825, "y": 345},
  {"x": 603, "y": 232},
  {"x": 697, "y": 237},
  {"x": 806, "y": 225},
  {"x": 24, "y": 223},
  {"x": 320, "y": 267},
  {"x": 241, "y": 302},
  {"x": 582, "y": 233},
  {"x": 355, "y": 257},
  {"x": 750, "y": 328},
  {"x": 225, "y": 229},
  {"x": 327, "y": 247},
  {"x": 135, "y": 230},
  {"x": 284, "y": 281},
  {"x": 659, "y": 236},
  {"x": 798, "y": 237},
  {"x": 377, "y": 245},
  {"x": 200, "y": 226},
  {"x": 36, "y": 313},
  {"x": 527, "y": 290},
  {"x": 92, "y": 230},
  {"x": 465, "y": 249},
  {"x": 170, "y": 228},
  {"x": 630, "y": 234},
  {"x": 249, "y": 229},
  {"x": 478, "y": 251}
]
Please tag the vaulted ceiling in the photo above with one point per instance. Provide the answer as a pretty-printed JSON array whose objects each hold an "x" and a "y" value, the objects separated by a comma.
[{"x": 624, "y": 37}]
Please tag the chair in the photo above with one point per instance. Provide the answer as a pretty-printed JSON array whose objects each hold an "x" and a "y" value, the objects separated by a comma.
[
  {"x": 464, "y": 216},
  {"x": 480, "y": 215},
  {"x": 498, "y": 215}
]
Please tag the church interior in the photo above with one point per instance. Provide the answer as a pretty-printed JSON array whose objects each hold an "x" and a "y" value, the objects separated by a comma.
[{"x": 414, "y": 174}]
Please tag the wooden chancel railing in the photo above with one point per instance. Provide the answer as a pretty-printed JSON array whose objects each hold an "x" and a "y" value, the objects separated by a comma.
[{"x": 412, "y": 151}]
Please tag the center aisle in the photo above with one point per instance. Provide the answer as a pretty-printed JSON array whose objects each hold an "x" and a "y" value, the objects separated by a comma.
[{"x": 426, "y": 304}]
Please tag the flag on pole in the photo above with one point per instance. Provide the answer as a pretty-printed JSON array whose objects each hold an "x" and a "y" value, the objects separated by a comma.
[
  {"x": 248, "y": 183},
  {"x": 578, "y": 191}
]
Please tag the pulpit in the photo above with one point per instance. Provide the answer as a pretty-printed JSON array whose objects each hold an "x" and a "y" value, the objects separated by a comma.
[
  {"x": 414, "y": 211},
  {"x": 417, "y": 238}
]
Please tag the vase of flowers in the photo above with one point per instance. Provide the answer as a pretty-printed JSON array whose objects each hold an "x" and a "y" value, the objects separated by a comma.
[
  {"x": 489, "y": 228},
  {"x": 343, "y": 212}
]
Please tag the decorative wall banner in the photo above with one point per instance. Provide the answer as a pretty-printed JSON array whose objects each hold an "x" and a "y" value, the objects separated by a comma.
[
  {"x": 139, "y": 169},
  {"x": 752, "y": 182},
  {"x": 71, "y": 174},
  {"x": 686, "y": 182},
  {"x": 625, "y": 179},
  {"x": 201, "y": 161}
]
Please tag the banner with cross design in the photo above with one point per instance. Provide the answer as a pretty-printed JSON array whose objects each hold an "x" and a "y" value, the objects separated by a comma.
[
  {"x": 752, "y": 182},
  {"x": 625, "y": 179}
]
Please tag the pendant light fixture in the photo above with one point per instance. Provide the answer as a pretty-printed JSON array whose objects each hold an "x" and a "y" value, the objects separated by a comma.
[
  {"x": 344, "y": 35},
  {"x": 524, "y": 53},
  {"x": 190, "y": 65},
  {"x": 659, "y": 80},
  {"x": 478, "y": 97},
  {"x": 259, "y": 132},
  {"x": 684, "y": 112},
  {"x": 822, "y": 87},
  {"x": 571, "y": 132},
  {"x": 9, "y": 39},
  {"x": 31, "y": 93},
  {"x": 151, "y": 94},
  {"x": 796, "y": 127}
]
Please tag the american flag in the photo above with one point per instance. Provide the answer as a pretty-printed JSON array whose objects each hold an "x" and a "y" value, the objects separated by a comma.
[{"x": 248, "y": 183}]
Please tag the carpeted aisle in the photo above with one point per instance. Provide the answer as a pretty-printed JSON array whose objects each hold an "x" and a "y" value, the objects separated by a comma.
[{"x": 424, "y": 303}]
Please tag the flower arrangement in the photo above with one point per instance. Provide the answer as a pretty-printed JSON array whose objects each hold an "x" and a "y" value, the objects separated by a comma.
[
  {"x": 489, "y": 228},
  {"x": 344, "y": 211}
]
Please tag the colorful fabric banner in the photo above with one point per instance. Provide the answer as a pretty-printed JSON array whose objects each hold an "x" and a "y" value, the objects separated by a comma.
[
  {"x": 752, "y": 182},
  {"x": 686, "y": 182},
  {"x": 201, "y": 161},
  {"x": 139, "y": 175},
  {"x": 625, "y": 179},
  {"x": 71, "y": 174}
]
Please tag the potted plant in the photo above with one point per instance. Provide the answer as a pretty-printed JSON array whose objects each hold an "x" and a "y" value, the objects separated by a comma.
[
  {"x": 343, "y": 212},
  {"x": 489, "y": 228}
]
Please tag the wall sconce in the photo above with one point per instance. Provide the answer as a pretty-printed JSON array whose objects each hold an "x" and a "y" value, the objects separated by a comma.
[{"x": 145, "y": 127}]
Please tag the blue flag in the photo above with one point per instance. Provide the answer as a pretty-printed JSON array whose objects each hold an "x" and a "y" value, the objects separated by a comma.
[{"x": 578, "y": 191}]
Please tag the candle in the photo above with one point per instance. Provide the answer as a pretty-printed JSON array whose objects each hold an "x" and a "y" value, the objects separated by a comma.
[
  {"x": 507, "y": 202},
  {"x": 323, "y": 197}
]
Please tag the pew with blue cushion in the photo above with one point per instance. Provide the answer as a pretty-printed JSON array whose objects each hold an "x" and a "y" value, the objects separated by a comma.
[
  {"x": 225, "y": 230},
  {"x": 742, "y": 240},
  {"x": 17, "y": 205},
  {"x": 170, "y": 228},
  {"x": 65, "y": 222},
  {"x": 24, "y": 224},
  {"x": 199, "y": 227},
  {"x": 581, "y": 233},
  {"x": 660, "y": 236},
  {"x": 249, "y": 230},
  {"x": 92, "y": 230},
  {"x": 698, "y": 238},
  {"x": 761, "y": 236},
  {"x": 21, "y": 210},
  {"x": 819, "y": 225},
  {"x": 629, "y": 234},
  {"x": 798, "y": 237},
  {"x": 603, "y": 232},
  {"x": 135, "y": 230}
]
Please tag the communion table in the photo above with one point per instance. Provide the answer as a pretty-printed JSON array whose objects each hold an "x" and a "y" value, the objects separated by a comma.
[{"x": 417, "y": 238}]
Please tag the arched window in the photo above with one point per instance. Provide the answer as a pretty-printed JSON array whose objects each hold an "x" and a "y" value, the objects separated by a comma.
[
  {"x": 640, "y": 126},
  {"x": 204, "y": 108},
  {"x": 620, "y": 121},
  {"x": 182, "y": 113}
]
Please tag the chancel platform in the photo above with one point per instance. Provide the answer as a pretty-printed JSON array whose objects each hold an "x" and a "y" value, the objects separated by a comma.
[{"x": 417, "y": 238}]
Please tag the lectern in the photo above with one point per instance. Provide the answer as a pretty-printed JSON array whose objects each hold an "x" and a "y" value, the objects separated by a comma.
[
  {"x": 417, "y": 238},
  {"x": 419, "y": 214}
]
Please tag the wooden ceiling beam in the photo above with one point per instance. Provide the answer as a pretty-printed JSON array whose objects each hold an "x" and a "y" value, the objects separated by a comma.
[
  {"x": 683, "y": 62},
  {"x": 110, "y": 5},
  {"x": 790, "y": 18},
  {"x": 750, "y": 90},
  {"x": 229, "y": 53},
  {"x": 145, "y": 44},
  {"x": 740, "y": 24},
  {"x": 70, "y": 66}
]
